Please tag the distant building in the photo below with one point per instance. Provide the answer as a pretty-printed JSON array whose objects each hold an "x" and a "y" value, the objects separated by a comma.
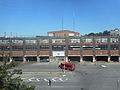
[
  {"x": 57, "y": 48},
  {"x": 63, "y": 33},
  {"x": 115, "y": 32}
]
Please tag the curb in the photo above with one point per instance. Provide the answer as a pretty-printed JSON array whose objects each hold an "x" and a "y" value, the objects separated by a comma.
[{"x": 46, "y": 72}]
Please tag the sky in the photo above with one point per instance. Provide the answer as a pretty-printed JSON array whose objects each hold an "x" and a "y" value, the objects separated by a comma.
[{"x": 37, "y": 17}]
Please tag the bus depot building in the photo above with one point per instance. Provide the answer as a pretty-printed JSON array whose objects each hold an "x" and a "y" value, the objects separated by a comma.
[{"x": 61, "y": 46}]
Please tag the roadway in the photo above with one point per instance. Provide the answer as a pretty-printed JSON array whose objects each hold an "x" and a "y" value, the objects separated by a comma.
[{"x": 87, "y": 76}]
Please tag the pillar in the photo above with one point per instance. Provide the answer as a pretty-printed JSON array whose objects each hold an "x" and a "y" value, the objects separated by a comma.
[
  {"x": 119, "y": 59},
  {"x": 38, "y": 59},
  {"x": 50, "y": 58},
  {"x": 94, "y": 59},
  {"x": 81, "y": 59},
  {"x": 108, "y": 58},
  {"x": 66, "y": 59},
  {"x": 11, "y": 59},
  {"x": 24, "y": 59}
]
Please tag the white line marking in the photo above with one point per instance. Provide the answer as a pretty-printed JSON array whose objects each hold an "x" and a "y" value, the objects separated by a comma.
[
  {"x": 66, "y": 79},
  {"x": 45, "y": 79},
  {"x": 54, "y": 79},
  {"x": 103, "y": 66},
  {"x": 30, "y": 79},
  {"x": 61, "y": 79},
  {"x": 38, "y": 79},
  {"x": 64, "y": 75}
]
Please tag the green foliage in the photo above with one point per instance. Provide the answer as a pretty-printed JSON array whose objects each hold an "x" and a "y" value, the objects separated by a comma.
[
  {"x": 104, "y": 33},
  {"x": 7, "y": 79}
]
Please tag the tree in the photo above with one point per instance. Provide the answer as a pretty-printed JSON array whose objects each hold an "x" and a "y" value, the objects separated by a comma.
[
  {"x": 7, "y": 79},
  {"x": 104, "y": 33}
]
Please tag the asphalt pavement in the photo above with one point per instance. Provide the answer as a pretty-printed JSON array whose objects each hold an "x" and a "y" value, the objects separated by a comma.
[
  {"x": 87, "y": 76},
  {"x": 39, "y": 67}
]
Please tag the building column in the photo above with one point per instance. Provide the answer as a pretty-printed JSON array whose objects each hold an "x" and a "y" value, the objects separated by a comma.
[
  {"x": 50, "y": 58},
  {"x": 94, "y": 59},
  {"x": 38, "y": 59},
  {"x": 108, "y": 58},
  {"x": 81, "y": 59},
  {"x": 24, "y": 59},
  {"x": 66, "y": 59},
  {"x": 11, "y": 59},
  {"x": 118, "y": 58}
]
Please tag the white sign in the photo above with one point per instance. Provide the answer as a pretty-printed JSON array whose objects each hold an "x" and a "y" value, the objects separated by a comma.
[{"x": 58, "y": 53}]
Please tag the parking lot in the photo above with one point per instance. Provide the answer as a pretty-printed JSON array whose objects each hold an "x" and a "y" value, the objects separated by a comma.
[{"x": 87, "y": 76}]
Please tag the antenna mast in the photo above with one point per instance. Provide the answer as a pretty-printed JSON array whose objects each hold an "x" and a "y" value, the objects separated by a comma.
[
  {"x": 62, "y": 22},
  {"x": 10, "y": 34},
  {"x": 4, "y": 34},
  {"x": 73, "y": 21}
]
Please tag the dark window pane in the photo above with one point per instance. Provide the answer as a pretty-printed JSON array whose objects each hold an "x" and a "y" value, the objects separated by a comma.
[{"x": 45, "y": 47}]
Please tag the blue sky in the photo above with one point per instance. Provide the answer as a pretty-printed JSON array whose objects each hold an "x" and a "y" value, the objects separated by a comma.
[{"x": 37, "y": 17}]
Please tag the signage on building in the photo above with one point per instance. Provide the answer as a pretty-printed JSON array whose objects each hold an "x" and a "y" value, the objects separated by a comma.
[{"x": 58, "y": 53}]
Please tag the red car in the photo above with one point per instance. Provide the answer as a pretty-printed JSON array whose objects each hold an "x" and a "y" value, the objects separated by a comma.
[{"x": 67, "y": 66}]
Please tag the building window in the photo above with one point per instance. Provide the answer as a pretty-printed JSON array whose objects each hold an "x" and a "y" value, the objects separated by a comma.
[
  {"x": 58, "y": 47},
  {"x": 58, "y": 40},
  {"x": 114, "y": 47},
  {"x": 31, "y": 47},
  {"x": 45, "y": 47},
  {"x": 104, "y": 40},
  {"x": 101, "y": 47},
  {"x": 44, "y": 41},
  {"x": 17, "y": 41},
  {"x": 51, "y": 34},
  {"x": 17, "y": 48},
  {"x": 4, "y": 41},
  {"x": 73, "y": 47},
  {"x": 87, "y": 40},
  {"x": 30, "y": 41},
  {"x": 71, "y": 34},
  {"x": 101, "y": 40},
  {"x": 98, "y": 40},
  {"x": 87, "y": 47},
  {"x": 4, "y": 48},
  {"x": 114, "y": 40},
  {"x": 74, "y": 40}
]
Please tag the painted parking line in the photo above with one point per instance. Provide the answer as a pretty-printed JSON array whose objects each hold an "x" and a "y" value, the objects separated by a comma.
[
  {"x": 31, "y": 79},
  {"x": 38, "y": 79},
  {"x": 46, "y": 79},
  {"x": 61, "y": 79},
  {"x": 103, "y": 66},
  {"x": 54, "y": 79}
]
